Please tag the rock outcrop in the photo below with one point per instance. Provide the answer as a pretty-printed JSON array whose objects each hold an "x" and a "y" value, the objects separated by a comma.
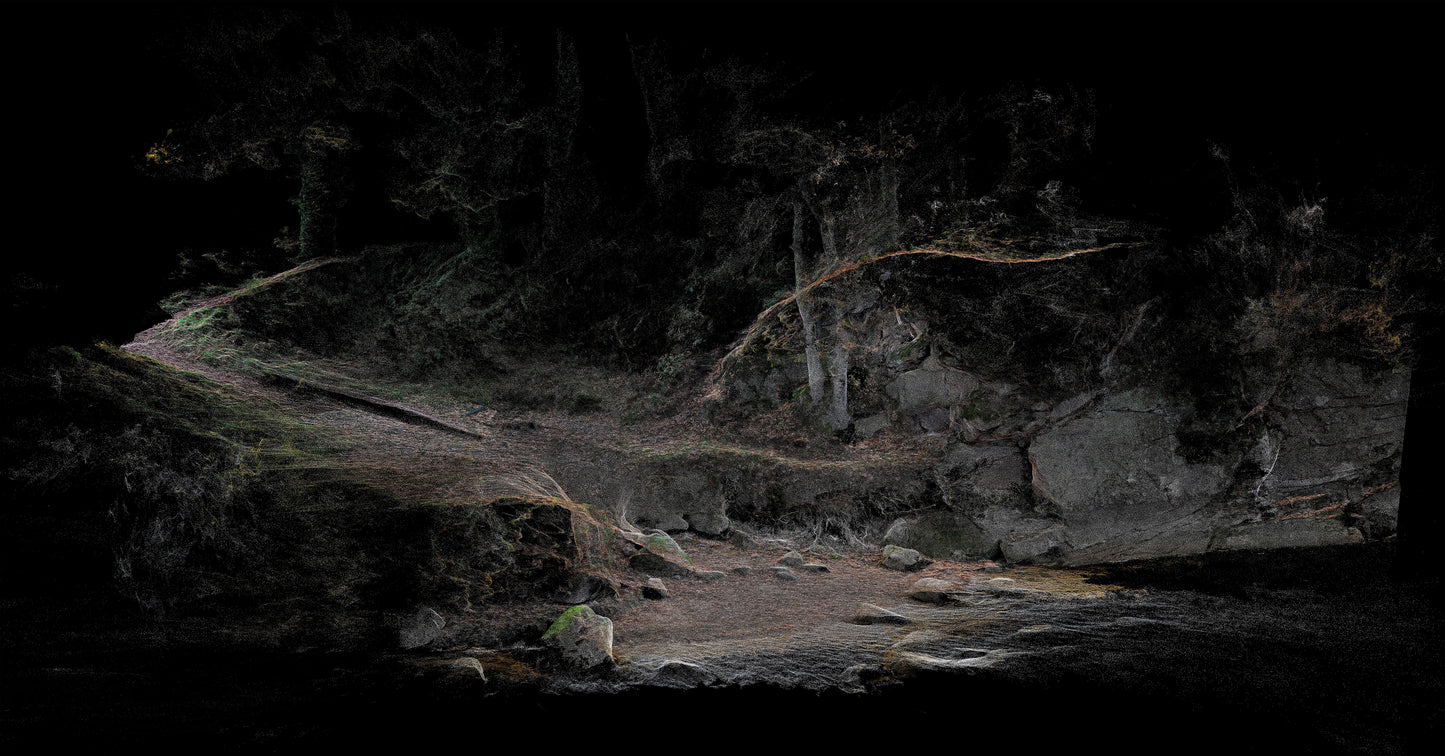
[{"x": 1132, "y": 452}]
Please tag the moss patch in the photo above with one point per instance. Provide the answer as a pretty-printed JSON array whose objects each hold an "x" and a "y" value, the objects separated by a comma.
[{"x": 581, "y": 610}]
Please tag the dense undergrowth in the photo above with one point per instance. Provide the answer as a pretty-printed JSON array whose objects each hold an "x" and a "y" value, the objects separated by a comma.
[{"x": 188, "y": 499}]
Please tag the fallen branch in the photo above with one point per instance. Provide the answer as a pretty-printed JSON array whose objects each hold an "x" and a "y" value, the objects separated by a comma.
[{"x": 370, "y": 404}]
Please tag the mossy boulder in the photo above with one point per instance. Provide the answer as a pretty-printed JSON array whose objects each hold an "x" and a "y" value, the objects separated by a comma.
[
  {"x": 581, "y": 638},
  {"x": 661, "y": 557}
]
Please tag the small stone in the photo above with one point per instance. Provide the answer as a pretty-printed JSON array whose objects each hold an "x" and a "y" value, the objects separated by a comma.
[
  {"x": 459, "y": 670},
  {"x": 742, "y": 569},
  {"x": 711, "y": 523},
  {"x": 709, "y": 575},
  {"x": 791, "y": 559},
  {"x": 675, "y": 672},
  {"x": 814, "y": 568},
  {"x": 655, "y": 589},
  {"x": 870, "y": 614},
  {"x": 742, "y": 541},
  {"x": 858, "y": 675},
  {"x": 783, "y": 573},
  {"x": 467, "y": 666},
  {"x": 903, "y": 560},
  {"x": 867, "y": 427},
  {"x": 931, "y": 590}
]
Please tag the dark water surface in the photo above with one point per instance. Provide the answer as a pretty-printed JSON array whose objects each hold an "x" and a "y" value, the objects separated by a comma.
[{"x": 1311, "y": 651}]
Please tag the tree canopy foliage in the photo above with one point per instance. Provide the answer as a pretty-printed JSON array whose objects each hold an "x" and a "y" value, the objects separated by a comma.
[{"x": 648, "y": 196}]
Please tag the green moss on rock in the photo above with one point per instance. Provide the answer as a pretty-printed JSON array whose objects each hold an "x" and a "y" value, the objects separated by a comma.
[{"x": 581, "y": 610}]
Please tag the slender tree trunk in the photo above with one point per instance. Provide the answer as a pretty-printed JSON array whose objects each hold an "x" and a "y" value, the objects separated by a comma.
[
  {"x": 318, "y": 202},
  {"x": 838, "y": 417},
  {"x": 888, "y": 178},
  {"x": 810, "y": 326},
  {"x": 1421, "y": 518},
  {"x": 561, "y": 180}
]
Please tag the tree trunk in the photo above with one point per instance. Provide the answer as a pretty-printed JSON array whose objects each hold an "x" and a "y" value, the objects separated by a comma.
[
  {"x": 888, "y": 180},
  {"x": 1421, "y": 517},
  {"x": 809, "y": 326},
  {"x": 837, "y": 417},
  {"x": 318, "y": 202}
]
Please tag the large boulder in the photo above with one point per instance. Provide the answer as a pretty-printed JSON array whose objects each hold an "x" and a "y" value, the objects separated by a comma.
[
  {"x": 941, "y": 535},
  {"x": 421, "y": 628},
  {"x": 581, "y": 638},
  {"x": 661, "y": 557}
]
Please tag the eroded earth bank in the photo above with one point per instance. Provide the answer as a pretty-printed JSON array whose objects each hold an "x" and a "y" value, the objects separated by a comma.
[{"x": 310, "y": 549}]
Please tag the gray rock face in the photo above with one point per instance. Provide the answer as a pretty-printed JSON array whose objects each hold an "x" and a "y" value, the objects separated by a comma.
[
  {"x": 932, "y": 384},
  {"x": 1339, "y": 433},
  {"x": 984, "y": 475},
  {"x": 1119, "y": 484},
  {"x": 1381, "y": 511},
  {"x": 581, "y": 637},
  {"x": 1044, "y": 544},
  {"x": 673, "y": 501},
  {"x": 1099, "y": 476},
  {"x": 791, "y": 559},
  {"x": 1276, "y": 534}
]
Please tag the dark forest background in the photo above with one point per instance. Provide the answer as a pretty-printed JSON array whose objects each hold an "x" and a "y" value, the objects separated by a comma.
[{"x": 1317, "y": 101}]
